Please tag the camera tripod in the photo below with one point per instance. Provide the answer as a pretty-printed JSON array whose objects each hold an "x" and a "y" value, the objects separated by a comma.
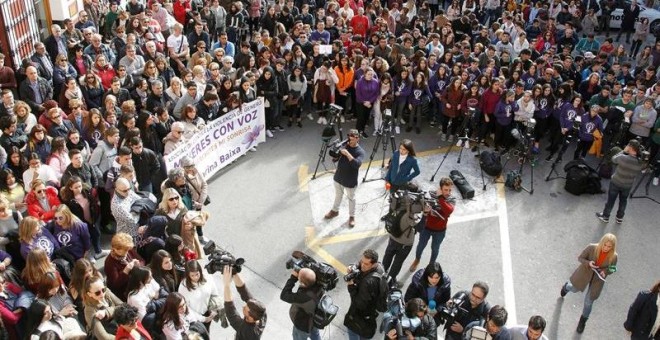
[
  {"x": 553, "y": 169},
  {"x": 385, "y": 130},
  {"x": 648, "y": 176},
  {"x": 462, "y": 139},
  {"x": 524, "y": 156},
  {"x": 332, "y": 129}
]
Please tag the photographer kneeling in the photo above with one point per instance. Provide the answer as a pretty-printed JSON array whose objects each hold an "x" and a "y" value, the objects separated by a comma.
[
  {"x": 416, "y": 323},
  {"x": 467, "y": 307},
  {"x": 303, "y": 303}
]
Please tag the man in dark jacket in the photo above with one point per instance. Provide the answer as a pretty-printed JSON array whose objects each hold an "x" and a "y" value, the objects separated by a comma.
[
  {"x": 146, "y": 164},
  {"x": 349, "y": 160},
  {"x": 11, "y": 135},
  {"x": 80, "y": 169},
  {"x": 35, "y": 91},
  {"x": 474, "y": 302},
  {"x": 364, "y": 291},
  {"x": 252, "y": 325},
  {"x": 282, "y": 94},
  {"x": 303, "y": 302},
  {"x": 641, "y": 322},
  {"x": 496, "y": 320}
]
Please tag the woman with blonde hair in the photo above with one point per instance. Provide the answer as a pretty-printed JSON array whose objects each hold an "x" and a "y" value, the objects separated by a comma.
[
  {"x": 597, "y": 261},
  {"x": 172, "y": 207},
  {"x": 37, "y": 265},
  {"x": 123, "y": 257},
  {"x": 174, "y": 90},
  {"x": 71, "y": 233},
  {"x": 25, "y": 119},
  {"x": 33, "y": 236},
  {"x": 188, "y": 230}
]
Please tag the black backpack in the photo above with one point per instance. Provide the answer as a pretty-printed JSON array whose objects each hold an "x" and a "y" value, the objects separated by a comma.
[
  {"x": 491, "y": 163},
  {"x": 581, "y": 178},
  {"x": 325, "y": 311},
  {"x": 393, "y": 223}
]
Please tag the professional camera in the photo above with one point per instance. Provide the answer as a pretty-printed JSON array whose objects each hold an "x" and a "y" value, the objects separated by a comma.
[
  {"x": 353, "y": 272},
  {"x": 449, "y": 313},
  {"x": 395, "y": 316},
  {"x": 219, "y": 258},
  {"x": 326, "y": 275},
  {"x": 335, "y": 146}
]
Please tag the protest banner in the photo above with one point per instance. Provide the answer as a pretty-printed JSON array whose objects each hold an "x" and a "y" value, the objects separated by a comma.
[{"x": 223, "y": 140}]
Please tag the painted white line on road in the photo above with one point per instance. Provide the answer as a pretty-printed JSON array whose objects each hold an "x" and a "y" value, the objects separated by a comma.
[{"x": 507, "y": 265}]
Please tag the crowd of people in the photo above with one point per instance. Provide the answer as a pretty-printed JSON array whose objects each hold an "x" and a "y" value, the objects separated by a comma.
[{"x": 87, "y": 119}]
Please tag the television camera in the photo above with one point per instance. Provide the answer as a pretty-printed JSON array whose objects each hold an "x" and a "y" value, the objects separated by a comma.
[
  {"x": 396, "y": 317},
  {"x": 453, "y": 309},
  {"x": 219, "y": 258},
  {"x": 326, "y": 275}
]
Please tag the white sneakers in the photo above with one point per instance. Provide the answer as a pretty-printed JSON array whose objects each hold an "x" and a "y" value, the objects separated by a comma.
[
  {"x": 397, "y": 130},
  {"x": 269, "y": 134},
  {"x": 309, "y": 115},
  {"x": 656, "y": 181},
  {"x": 322, "y": 121}
]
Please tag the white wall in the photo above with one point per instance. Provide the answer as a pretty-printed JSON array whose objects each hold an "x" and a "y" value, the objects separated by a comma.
[{"x": 59, "y": 9}]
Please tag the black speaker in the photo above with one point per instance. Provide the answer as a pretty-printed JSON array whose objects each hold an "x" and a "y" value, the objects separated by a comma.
[{"x": 462, "y": 184}]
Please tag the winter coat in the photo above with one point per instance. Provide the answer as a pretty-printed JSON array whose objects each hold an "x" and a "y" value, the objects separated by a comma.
[
  {"x": 88, "y": 176},
  {"x": 453, "y": 97},
  {"x": 583, "y": 275},
  {"x": 641, "y": 316},
  {"x": 629, "y": 17},
  {"x": 36, "y": 210},
  {"x": 171, "y": 143},
  {"x": 267, "y": 88},
  {"x": 77, "y": 209},
  {"x": 400, "y": 174},
  {"x": 418, "y": 289},
  {"x": 111, "y": 301}
]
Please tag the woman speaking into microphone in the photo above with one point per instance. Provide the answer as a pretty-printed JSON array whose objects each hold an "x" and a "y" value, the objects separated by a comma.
[{"x": 403, "y": 166}]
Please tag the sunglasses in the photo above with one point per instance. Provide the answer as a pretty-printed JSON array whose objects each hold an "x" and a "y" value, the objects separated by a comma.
[
  {"x": 40, "y": 191},
  {"x": 99, "y": 292},
  {"x": 172, "y": 199}
]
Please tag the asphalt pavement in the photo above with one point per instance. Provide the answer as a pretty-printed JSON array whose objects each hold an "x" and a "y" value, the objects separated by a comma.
[{"x": 265, "y": 205}]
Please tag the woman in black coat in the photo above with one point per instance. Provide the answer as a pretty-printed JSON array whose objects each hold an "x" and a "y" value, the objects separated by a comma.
[
  {"x": 267, "y": 88},
  {"x": 430, "y": 277},
  {"x": 643, "y": 314}
]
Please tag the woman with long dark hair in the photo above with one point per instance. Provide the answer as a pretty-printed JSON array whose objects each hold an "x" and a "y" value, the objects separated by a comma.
[
  {"x": 344, "y": 88},
  {"x": 420, "y": 98},
  {"x": 297, "y": 84},
  {"x": 267, "y": 88},
  {"x": 504, "y": 119},
  {"x": 452, "y": 100},
  {"x": 430, "y": 279},
  {"x": 12, "y": 190},
  {"x": 84, "y": 206},
  {"x": 177, "y": 319},
  {"x": 199, "y": 292},
  {"x": 163, "y": 272},
  {"x": 545, "y": 104}
]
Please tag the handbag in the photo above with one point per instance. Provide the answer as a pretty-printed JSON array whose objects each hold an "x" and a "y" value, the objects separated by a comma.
[{"x": 207, "y": 201}]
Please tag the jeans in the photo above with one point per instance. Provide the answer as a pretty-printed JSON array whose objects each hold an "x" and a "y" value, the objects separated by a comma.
[
  {"x": 588, "y": 302},
  {"x": 424, "y": 237},
  {"x": 394, "y": 256},
  {"x": 297, "y": 334},
  {"x": 354, "y": 336},
  {"x": 339, "y": 194},
  {"x": 614, "y": 192}
]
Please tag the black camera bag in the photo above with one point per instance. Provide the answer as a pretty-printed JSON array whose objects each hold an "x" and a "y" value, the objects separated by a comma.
[{"x": 490, "y": 163}]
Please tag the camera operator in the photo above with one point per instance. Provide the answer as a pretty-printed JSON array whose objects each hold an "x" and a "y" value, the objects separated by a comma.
[
  {"x": 418, "y": 323},
  {"x": 629, "y": 165},
  {"x": 303, "y": 303},
  {"x": 533, "y": 330},
  {"x": 589, "y": 123},
  {"x": 252, "y": 325},
  {"x": 346, "y": 176},
  {"x": 364, "y": 290},
  {"x": 475, "y": 309},
  {"x": 435, "y": 222}
]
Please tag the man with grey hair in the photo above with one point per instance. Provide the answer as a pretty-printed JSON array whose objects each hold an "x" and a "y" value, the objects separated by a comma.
[
  {"x": 98, "y": 47},
  {"x": 227, "y": 68},
  {"x": 133, "y": 62},
  {"x": 175, "y": 138},
  {"x": 34, "y": 90},
  {"x": 43, "y": 60},
  {"x": 56, "y": 43},
  {"x": 150, "y": 52}
]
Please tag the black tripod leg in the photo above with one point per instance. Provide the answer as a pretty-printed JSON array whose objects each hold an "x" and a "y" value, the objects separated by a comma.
[
  {"x": 324, "y": 149},
  {"x": 373, "y": 153},
  {"x": 441, "y": 162}
]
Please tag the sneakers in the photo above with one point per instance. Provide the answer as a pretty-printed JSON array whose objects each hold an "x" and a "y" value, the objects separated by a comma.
[
  {"x": 320, "y": 120},
  {"x": 364, "y": 135},
  {"x": 253, "y": 149},
  {"x": 443, "y": 137},
  {"x": 432, "y": 123},
  {"x": 450, "y": 139},
  {"x": 331, "y": 214},
  {"x": 342, "y": 119},
  {"x": 656, "y": 181},
  {"x": 397, "y": 130},
  {"x": 102, "y": 254},
  {"x": 413, "y": 266},
  {"x": 325, "y": 121},
  {"x": 618, "y": 220},
  {"x": 563, "y": 291},
  {"x": 310, "y": 117},
  {"x": 279, "y": 128},
  {"x": 581, "y": 324},
  {"x": 269, "y": 134},
  {"x": 603, "y": 218},
  {"x": 351, "y": 222}
]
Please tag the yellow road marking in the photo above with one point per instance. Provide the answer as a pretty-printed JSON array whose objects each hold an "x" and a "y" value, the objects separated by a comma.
[
  {"x": 310, "y": 241},
  {"x": 303, "y": 178}
]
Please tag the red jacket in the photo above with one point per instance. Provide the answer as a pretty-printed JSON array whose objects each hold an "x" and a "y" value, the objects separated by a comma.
[
  {"x": 36, "y": 210},
  {"x": 444, "y": 209},
  {"x": 489, "y": 101},
  {"x": 122, "y": 334},
  {"x": 179, "y": 8}
]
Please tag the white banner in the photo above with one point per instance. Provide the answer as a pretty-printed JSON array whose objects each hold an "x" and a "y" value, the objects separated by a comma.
[{"x": 224, "y": 139}]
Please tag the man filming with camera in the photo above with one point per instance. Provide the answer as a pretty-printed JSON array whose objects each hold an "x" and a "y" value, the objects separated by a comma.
[
  {"x": 346, "y": 176},
  {"x": 629, "y": 165},
  {"x": 252, "y": 325},
  {"x": 303, "y": 303},
  {"x": 470, "y": 308},
  {"x": 415, "y": 323},
  {"x": 364, "y": 287}
]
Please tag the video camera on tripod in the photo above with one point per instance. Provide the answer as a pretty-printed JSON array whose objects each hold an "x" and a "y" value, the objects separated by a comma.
[
  {"x": 525, "y": 137},
  {"x": 396, "y": 316}
]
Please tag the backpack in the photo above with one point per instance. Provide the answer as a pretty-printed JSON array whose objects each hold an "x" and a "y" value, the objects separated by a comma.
[
  {"x": 490, "y": 163},
  {"x": 393, "y": 223},
  {"x": 513, "y": 180},
  {"x": 383, "y": 291},
  {"x": 325, "y": 312},
  {"x": 581, "y": 178}
]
